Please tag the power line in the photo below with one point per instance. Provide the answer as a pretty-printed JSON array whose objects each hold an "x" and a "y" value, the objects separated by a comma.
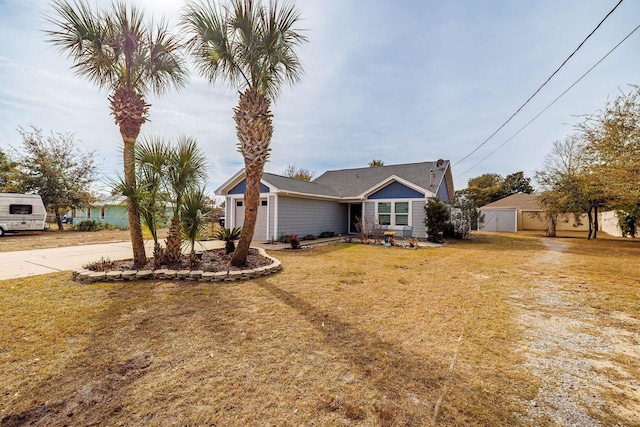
[
  {"x": 553, "y": 102},
  {"x": 540, "y": 88}
]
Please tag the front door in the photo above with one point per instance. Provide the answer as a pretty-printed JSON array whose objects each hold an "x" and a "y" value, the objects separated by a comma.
[{"x": 355, "y": 215}]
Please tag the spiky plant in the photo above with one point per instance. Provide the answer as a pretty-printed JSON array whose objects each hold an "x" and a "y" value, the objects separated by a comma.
[
  {"x": 152, "y": 155},
  {"x": 251, "y": 47},
  {"x": 194, "y": 212},
  {"x": 118, "y": 51},
  {"x": 185, "y": 171},
  {"x": 229, "y": 236}
]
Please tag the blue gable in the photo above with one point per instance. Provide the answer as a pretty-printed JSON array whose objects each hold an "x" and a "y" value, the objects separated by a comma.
[
  {"x": 241, "y": 188},
  {"x": 395, "y": 190},
  {"x": 443, "y": 192}
]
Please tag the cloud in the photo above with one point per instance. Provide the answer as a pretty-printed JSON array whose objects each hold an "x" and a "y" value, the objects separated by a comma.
[{"x": 403, "y": 82}]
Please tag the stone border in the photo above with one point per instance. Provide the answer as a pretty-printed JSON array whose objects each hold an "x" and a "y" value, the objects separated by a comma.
[{"x": 89, "y": 276}]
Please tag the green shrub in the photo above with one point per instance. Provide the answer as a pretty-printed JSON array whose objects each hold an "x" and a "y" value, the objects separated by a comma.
[
  {"x": 327, "y": 234},
  {"x": 89, "y": 225},
  {"x": 629, "y": 221},
  {"x": 437, "y": 219},
  {"x": 284, "y": 238},
  {"x": 309, "y": 237}
]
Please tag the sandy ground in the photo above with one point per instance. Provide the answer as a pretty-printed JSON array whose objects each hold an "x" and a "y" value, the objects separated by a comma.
[{"x": 559, "y": 328}]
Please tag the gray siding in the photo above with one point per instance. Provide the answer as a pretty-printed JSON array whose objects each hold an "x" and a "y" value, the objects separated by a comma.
[
  {"x": 307, "y": 216},
  {"x": 417, "y": 219},
  {"x": 369, "y": 210},
  {"x": 272, "y": 218},
  {"x": 227, "y": 211}
]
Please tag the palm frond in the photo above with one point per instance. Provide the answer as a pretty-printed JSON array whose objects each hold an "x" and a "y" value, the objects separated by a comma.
[
  {"x": 84, "y": 36},
  {"x": 185, "y": 168},
  {"x": 248, "y": 45},
  {"x": 116, "y": 47},
  {"x": 194, "y": 212}
]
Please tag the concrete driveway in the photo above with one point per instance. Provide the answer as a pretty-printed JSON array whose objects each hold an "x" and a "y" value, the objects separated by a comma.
[{"x": 43, "y": 261}]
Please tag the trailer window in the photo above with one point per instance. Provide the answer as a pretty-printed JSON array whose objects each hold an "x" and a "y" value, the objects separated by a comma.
[{"x": 20, "y": 209}]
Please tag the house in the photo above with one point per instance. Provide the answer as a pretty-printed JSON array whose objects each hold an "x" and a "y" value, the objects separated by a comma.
[
  {"x": 110, "y": 210},
  {"x": 391, "y": 196},
  {"x": 519, "y": 212}
]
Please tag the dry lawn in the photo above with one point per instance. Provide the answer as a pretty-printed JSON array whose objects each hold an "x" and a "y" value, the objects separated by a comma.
[
  {"x": 57, "y": 239},
  {"x": 346, "y": 335}
]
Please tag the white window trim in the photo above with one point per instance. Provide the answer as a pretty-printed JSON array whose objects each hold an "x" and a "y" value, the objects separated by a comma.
[{"x": 393, "y": 225}]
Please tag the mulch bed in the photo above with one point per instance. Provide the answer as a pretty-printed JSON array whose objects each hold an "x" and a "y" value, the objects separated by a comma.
[{"x": 215, "y": 260}]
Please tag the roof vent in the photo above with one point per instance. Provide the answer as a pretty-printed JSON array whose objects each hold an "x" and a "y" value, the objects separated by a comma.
[{"x": 432, "y": 176}]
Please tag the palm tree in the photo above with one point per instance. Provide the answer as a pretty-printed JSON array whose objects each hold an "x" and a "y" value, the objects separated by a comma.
[
  {"x": 376, "y": 163},
  {"x": 185, "y": 171},
  {"x": 252, "y": 48},
  {"x": 194, "y": 212},
  {"x": 117, "y": 51},
  {"x": 152, "y": 156}
]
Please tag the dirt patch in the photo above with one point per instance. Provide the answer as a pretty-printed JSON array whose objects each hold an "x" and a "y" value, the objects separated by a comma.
[
  {"x": 576, "y": 360},
  {"x": 92, "y": 394}
]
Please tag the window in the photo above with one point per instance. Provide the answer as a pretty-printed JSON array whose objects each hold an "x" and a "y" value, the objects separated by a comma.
[
  {"x": 239, "y": 203},
  {"x": 88, "y": 213},
  {"x": 263, "y": 202},
  {"x": 393, "y": 213},
  {"x": 384, "y": 213},
  {"x": 103, "y": 212},
  {"x": 20, "y": 209},
  {"x": 402, "y": 213}
]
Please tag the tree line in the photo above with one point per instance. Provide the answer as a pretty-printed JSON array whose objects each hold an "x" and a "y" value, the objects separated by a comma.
[{"x": 596, "y": 168}]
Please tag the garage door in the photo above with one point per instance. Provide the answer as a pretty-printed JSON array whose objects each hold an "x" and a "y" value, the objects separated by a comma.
[
  {"x": 499, "y": 220},
  {"x": 260, "y": 232}
]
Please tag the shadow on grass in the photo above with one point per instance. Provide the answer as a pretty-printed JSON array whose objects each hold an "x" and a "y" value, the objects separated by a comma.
[{"x": 409, "y": 385}]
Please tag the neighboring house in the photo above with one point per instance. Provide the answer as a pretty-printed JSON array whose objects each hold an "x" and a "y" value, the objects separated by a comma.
[
  {"x": 392, "y": 196},
  {"x": 110, "y": 210},
  {"x": 522, "y": 211}
]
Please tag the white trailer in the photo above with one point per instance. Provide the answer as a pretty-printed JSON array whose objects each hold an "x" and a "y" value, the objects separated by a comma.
[{"x": 21, "y": 212}]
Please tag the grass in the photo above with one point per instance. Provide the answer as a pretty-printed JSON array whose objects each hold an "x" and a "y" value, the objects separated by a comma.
[{"x": 345, "y": 335}]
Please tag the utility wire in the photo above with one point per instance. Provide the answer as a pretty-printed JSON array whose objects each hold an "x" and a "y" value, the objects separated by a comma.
[
  {"x": 553, "y": 102},
  {"x": 540, "y": 88}
]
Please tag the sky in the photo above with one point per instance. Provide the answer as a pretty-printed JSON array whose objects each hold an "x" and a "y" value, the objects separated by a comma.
[{"x": 402, "y": 81}]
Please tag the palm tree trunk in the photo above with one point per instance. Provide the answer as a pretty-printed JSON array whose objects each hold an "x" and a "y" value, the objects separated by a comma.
[
  {"x": 254, "y": 128},
  {"x": 251, "y": 200},
  {"x": 173, "y": 251},
  {"x": 129, "y": 111},
  {"x": 135, "y": 229}
]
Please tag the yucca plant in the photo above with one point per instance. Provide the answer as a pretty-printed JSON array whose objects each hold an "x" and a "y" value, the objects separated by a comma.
[{"x": 229, "y": 236}]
